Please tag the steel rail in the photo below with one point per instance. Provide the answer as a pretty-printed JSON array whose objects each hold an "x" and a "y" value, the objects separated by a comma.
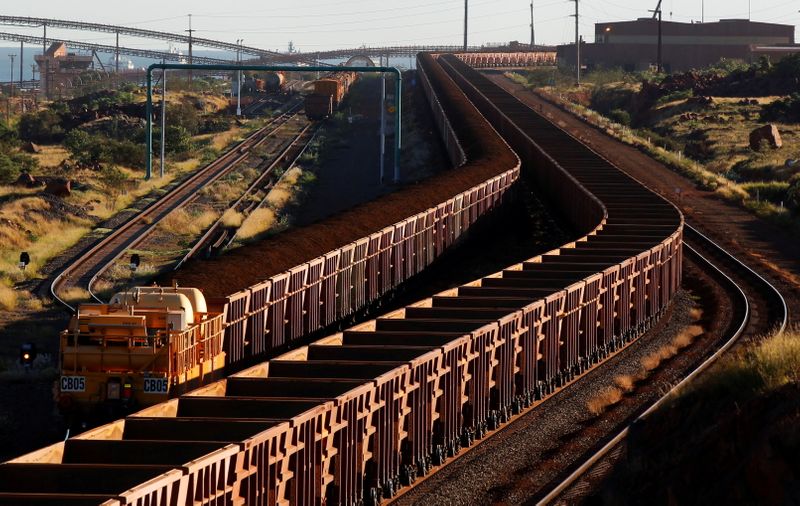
[
  {"x": 292, "y": 162},
  {"x": 203, "y": 241},
  {"x": 221, "y": 165},
  {"x": 228, "y": 166},
  {"x": 740, "y": 329}
]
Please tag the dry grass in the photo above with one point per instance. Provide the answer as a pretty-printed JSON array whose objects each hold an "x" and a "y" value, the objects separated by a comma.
[
  {"x": 28, "y": 224},
  {"x": 688, "y": 336},
  {"x": 232, "y": 218},
  {"x": 607, "y": 397},
  {"x": 8, "y": 297},
  {"x": 51, "y": 156},
  {"x": 75, "y": 294},
  {"x": 625, "y": 382},
  {"x": 183, "y": 223},
  {"x": 257, "y": 223},
  {"x": 222, "y": 140},
  {"x": 283, "y": 192},
  {"x": 777, "y": 359}
]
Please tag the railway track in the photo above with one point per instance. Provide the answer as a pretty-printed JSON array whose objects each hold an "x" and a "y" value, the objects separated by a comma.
[
  {"x": 83, "y": 271},
  {"x": 219, "y": 236},
  {"x": 758, "y": 308}
]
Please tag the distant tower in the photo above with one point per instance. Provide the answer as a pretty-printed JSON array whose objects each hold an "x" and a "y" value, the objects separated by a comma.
[{"x": 291, "y": 47}]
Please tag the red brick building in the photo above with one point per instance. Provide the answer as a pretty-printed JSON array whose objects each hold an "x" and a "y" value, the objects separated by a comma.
[{"x": 633, "y": 45}]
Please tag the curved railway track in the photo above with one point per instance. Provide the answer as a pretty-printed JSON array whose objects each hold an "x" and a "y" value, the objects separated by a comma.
[
  {"x": 84, "y": 270},
  {"x": 758, "y": 308},
  {"x": 355, "y": 416}
]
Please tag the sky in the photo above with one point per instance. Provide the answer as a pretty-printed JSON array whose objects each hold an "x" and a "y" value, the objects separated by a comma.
[{"x": 314, "y": 25}]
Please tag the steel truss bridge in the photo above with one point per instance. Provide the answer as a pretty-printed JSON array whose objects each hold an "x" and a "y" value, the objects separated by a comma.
[
  {"x": 413, "y": 50},
  {"x": 138, "y": 32},
  {"x": 104, "y": 48}
]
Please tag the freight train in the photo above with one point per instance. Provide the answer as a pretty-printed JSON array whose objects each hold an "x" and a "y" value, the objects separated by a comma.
[
  {"x": 354, "y": 416},
  {"x": 328, "y": 94},
  {"x": 258, "y": 319},
  {"x": 266, "y": 82}
]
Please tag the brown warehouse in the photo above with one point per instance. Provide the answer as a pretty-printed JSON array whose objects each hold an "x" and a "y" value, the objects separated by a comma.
[{"x": 633, "y": 45}]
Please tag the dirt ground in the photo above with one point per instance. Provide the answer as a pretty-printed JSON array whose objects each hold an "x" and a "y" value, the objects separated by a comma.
[{"x": 763, "y": 246}]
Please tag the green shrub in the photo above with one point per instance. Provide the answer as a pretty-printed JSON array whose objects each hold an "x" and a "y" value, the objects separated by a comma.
[
  {"x": 43, "y": 127},
  {"x": 620, "y": 116},
  {"x": 674, "y": 96},
  {"x": 9, "y": 171},
  {"x": 773, "y": 191},
  {"x": 184, "y": 115},
  {"x": 8, "y": 138},
  {"x": 786, "y": 109},
  {"x": 215, "y": 124},
  {"x": 793, "y": 193}
]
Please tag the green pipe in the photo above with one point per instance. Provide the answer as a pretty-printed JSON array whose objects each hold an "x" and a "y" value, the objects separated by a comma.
[{"x": 273, "y": 68}]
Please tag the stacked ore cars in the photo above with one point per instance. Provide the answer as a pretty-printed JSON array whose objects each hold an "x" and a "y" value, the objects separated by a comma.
[
  {"x": 354, "y": 416},
  {"x": 328, "y": 94}
]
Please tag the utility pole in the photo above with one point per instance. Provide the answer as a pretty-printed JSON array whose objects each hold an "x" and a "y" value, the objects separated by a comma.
[
  {"x": 577, "y": 45},
  {"x": 12, "y": 56},
  {"x": 45, "y": 79},
  {"x": 466, "y": 12},
  {"x": 657, "y": 12},
  {"x": 702, "y": 11},
  {"x": 163, "y": 117},
  {"x": 239, "y": 79},
  {"x": 533, "y": 36},
  {"x": 21, "y": 49},
  {"x": 190, "y": 49},
  {"x": 116, "y": 56}
]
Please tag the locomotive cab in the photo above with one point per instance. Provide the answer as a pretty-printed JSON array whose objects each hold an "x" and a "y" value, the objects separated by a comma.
[{"x": 145, "y": 345}]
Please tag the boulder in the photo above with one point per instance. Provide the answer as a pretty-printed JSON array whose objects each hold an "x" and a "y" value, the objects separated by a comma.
[
  {"x": 26, "y": 180},
  {"x": 59, "y": 187},
  {"x": 767, "y": 133},
  {"x": 30, "y": 147}
]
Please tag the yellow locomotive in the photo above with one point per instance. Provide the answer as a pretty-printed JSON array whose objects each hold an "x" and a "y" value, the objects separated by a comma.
[{"x": 144, "y": 346}]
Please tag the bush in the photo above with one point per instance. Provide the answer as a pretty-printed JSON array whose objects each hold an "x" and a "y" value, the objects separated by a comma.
[
  {"x": 8, "y": 138},
  {"x": 773, "y": 191},
  {"x": 9, "y": 171},
  {"x": 215, "y": 124},
  {"x": 127, "y": 153},
  {"x": 92, "y": 150},
  {"x": 793, "y": 194},
  {"x": 86, "y": 149},
  {"x": 177, "y": 139},
  {"x": 11, "y": 165},
  {"x": 786, "y": 109},
  {"x": 675, "y": 95},
  {"x": 620, "y": 116},
  {"x": 183, "y": 115},
  {"x": 43, "y": 127}
]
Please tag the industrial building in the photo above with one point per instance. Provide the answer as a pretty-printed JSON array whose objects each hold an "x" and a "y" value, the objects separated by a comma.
[
  {"x": 57, "y": 66},
  {"x": 633, "y": 45}
]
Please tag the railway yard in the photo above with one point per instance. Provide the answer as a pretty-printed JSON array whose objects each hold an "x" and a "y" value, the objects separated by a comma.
[{"x": 491, "y": 330}]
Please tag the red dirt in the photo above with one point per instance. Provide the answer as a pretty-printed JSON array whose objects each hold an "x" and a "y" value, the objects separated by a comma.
[
  {"x": 762, "y": 245},
  {"x": 248, "y": 265}
]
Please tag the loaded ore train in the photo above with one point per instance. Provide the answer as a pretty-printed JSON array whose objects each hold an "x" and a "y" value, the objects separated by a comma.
[
  {"x": 328, "y": 94},
  {"x": 355, "y": 416}
]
